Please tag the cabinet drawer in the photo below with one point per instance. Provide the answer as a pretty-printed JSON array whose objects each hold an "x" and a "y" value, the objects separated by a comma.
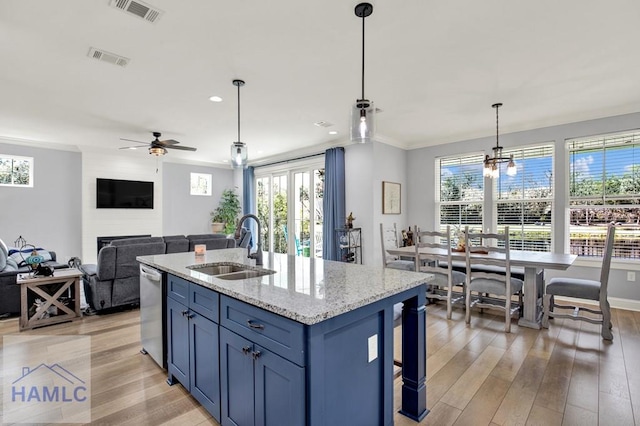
[
  {"x": 278, "y": 334},
  {"x": 178, "y": 289},
  {"x": 204, "y": 301}
]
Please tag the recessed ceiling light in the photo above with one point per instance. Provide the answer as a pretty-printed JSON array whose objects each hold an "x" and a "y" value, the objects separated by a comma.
[
  {"x": 333, "y": 132},
  {"x": 225, "y": 161},
  {"x": 133, "y": 147},
  {"x": 215, "y": 99}
]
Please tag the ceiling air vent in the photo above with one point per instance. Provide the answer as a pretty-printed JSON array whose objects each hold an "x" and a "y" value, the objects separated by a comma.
[
  {"x": 139, "y": 9},
  {"x": 111, "y": 58}
]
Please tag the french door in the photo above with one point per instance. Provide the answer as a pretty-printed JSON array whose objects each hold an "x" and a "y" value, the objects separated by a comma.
[{"x": 289, "y": 204}]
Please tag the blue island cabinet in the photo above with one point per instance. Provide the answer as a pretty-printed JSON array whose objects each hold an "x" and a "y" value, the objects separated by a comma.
[
  {"x": 192, "y": 341},
  {"x": 266, "y": 369}
]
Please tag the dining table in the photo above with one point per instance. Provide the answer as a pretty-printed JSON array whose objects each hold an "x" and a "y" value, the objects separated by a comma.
[{"x": 533, "y": 262}]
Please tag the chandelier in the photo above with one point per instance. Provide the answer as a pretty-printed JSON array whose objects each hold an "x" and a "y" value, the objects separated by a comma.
[
  {"x": 362, "y": 113},
  {"x": 492, "y": 164},
  {"x": 238, "y": 149}
]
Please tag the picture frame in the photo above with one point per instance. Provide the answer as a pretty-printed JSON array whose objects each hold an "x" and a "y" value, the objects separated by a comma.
[
  {"x": 391, "y": 198},
  {"x": 200, "y": 184}
]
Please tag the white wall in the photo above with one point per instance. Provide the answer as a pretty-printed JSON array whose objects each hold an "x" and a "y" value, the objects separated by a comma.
[
  {"x": 366, "y": 166},
  {"x": 183, "y": 213},
  {"x": 111, "y": 164},
  {"x": 48, "y": 215}
]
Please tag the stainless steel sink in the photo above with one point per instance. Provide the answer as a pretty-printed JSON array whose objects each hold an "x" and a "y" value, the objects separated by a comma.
[
  {"x": 231, "y": 271},
  {"x": 243, "y": 275}
]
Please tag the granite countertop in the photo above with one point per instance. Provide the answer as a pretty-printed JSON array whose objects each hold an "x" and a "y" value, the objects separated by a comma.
[{"x": 306, "y": 290}]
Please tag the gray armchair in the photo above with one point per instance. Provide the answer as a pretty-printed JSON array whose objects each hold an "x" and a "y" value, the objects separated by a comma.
[{"x": 115, "y": 279}]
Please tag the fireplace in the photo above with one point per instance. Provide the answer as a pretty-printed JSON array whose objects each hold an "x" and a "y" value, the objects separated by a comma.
[{"x": 103, "y": 241}]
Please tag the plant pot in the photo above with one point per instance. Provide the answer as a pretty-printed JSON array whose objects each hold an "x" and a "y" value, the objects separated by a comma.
[{"x": 217, "y": 228}]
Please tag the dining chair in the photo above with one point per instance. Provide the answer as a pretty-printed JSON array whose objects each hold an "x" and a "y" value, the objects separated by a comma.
[
  {"x": 486, "y": 282},
  {"x": 389, "y": 239},
  {"x": 583, "y": 289},
  {"x": 445, "y": 278}
]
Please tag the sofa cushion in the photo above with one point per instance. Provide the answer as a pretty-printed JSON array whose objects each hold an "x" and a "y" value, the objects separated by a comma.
[
  {"x": 213, "y": 243},
  {"x": 176, "y": 244},
  {"x": 205, "y": 236},
  {"x": 138, "y": 240},
  {"x": 126, "y": 264}
]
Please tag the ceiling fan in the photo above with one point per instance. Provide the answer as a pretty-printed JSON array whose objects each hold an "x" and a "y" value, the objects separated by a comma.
[{"x": 158, "y": 147}]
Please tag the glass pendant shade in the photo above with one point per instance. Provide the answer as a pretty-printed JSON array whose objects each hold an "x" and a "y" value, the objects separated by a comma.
[
  {"x": 239, "y": 155},
  {"x": 363, "y": 121}
]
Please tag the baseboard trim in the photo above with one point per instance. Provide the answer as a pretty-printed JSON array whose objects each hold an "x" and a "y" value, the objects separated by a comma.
[{"x": 615, "y": 302}]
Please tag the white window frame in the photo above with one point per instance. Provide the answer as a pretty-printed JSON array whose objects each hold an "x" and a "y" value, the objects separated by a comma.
[
  {"x": 634, "y": 135},
  {"x": 289, "y": 168},
  {"x": 439, "y": 203},
  {"x": 550, "y": 199},
  {"x": 20, "y": 158}
]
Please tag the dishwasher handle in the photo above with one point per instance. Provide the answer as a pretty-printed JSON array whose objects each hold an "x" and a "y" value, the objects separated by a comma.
[{"x": 150, "y": 273}]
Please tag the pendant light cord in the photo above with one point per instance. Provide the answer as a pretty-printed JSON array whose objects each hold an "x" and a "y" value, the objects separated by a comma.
[
  {"x": 363, "y": 16},
  {"x": 497, "y": 133},
  {"x": 238, "y": 112}
]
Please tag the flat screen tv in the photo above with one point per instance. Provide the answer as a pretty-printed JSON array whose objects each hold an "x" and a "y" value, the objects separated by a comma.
[{"x": 123, "y": 194}]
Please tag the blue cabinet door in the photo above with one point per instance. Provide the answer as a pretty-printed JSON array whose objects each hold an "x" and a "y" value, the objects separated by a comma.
[
  {"x": 205, "y": 366},
  {"x": 178, "y": 342},
  {"x": 237, "y": 385},
  {"x": 280, "y": 390}
]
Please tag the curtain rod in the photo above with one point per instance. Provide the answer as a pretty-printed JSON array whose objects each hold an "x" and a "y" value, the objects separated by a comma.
[{"x": 290, "y": 160}]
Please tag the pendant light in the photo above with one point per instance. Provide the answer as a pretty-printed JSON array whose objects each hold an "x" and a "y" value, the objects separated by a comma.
[
  {"x": 363, "y": 112},
  {"x": 238, "y": 149},
  {"x": 492, "y": 164}
]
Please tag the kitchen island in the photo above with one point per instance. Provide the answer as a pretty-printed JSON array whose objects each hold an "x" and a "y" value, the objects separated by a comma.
[{"x": 309, "y": 342}]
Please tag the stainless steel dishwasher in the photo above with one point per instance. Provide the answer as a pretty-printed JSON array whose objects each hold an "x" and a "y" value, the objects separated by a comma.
[{"x": 152, "y": 314}]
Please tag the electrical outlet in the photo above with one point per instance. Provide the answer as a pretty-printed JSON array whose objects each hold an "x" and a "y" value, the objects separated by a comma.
[{"x": 631, "y": 276}]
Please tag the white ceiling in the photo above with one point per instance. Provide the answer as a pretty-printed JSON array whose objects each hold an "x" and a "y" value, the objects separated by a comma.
[{"x": 433, "y": 67}]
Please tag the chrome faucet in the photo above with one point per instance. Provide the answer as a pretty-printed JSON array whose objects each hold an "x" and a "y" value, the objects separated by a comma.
[{"x": 257, "y": 255}]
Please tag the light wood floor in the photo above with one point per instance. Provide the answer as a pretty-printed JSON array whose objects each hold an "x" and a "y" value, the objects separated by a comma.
[{"x": 476, "y": 375}]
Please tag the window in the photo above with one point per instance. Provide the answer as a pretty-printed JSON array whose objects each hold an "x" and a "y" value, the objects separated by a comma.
[
  {"x": 524, "y": 202},
  {"x": 289, "y": 204},
  {"x": 460, "y": 191},
  {"x": 604, "y": 187},
  {"x": 16, "y": 171}
]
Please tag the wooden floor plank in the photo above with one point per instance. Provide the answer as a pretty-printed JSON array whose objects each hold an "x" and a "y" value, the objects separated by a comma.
[{"x": 477, "y": 374}]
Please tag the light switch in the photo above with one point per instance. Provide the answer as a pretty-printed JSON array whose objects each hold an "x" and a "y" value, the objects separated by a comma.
[{"x": 373, "y": 347}]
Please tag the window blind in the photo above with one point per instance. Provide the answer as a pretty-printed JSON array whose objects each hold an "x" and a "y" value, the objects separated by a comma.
[
  {"x": 524, "y": 202},
  {"x": 604, "y": 187}
]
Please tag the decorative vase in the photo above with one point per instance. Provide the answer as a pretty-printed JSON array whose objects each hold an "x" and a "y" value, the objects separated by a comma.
[{"x": 217, "y": 228}]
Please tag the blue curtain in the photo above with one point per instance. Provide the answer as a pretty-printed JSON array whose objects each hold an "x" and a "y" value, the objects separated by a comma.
[
  {"x": 333, "y": 202},
  {"x": 249, "y": 201}
]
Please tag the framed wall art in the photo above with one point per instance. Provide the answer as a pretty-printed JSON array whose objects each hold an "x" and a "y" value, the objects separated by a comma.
[{"x": 391, "y": 198}]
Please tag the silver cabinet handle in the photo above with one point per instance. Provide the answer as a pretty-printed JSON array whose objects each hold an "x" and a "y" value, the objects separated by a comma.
[
  {"x": 254, "y": 325},
  {"x": 256, "y": 354}
]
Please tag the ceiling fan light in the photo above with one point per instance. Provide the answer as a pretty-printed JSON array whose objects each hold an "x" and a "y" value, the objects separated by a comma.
[
  {"x": 157, "y": 151},
  {"x": 239, "y": 155},
  {"x": 362, "y": 121}
]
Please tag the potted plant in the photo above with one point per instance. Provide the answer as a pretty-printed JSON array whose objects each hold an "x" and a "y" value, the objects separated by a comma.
[{"x": 224, "y": 217}]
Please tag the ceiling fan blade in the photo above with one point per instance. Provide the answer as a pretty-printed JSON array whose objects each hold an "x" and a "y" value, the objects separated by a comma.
[
  {"x": 183, "y": 148},
  {"x": 133, "y": 140},
  {"x": 167, "y": 142}
]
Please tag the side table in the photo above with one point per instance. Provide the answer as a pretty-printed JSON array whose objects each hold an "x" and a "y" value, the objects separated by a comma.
[{"x": 50, "y": 290}]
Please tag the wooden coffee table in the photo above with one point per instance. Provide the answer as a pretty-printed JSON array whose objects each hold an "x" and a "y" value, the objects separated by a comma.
[{"x": 50, "y": 290}]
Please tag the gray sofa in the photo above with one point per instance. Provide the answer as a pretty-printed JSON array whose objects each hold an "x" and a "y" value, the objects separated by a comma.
[
  {"x": 9, "y": 269},
  {"x": 115, "y": 280}
]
